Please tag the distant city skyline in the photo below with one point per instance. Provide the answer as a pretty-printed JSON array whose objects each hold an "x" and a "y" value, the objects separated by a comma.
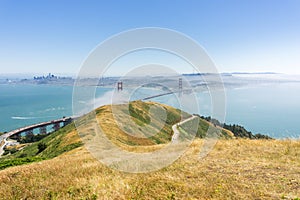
[{"x": 38, "y": 37}]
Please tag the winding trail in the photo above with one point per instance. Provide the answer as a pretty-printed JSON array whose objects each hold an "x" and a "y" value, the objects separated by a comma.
[{"x": 176, "y": 131}]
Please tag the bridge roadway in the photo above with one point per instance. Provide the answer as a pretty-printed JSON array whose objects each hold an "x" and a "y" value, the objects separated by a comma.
[
  {"x": 167, "y": 93},
  {"x": 65, "y": 120},
  {"x": 34, "y": 126}
]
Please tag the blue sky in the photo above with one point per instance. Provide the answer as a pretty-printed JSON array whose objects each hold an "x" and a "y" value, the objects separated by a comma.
[{"x": 240, "y": 35}]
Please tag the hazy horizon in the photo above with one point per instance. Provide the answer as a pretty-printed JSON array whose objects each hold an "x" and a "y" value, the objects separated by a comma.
[{"x": 32, "y": 74}]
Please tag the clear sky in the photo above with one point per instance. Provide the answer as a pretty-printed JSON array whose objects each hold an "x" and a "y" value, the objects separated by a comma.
[{"x": 240, "y": 35}]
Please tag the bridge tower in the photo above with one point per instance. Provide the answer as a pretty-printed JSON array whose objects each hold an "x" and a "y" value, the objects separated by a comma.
[
  {"x": 16, "y": 136},
  {"x": 56, "y": 126},
  {"x": 120, "y": 86},
  {"x": 43, "y": 130},
  {"x": 29, "y": 132},
  {"x": 180, "y": 86},
  {"x": 67, "y": 121}
]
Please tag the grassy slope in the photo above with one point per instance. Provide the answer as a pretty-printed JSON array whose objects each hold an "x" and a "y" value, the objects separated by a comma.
[
  {"x": 141, "y": 117},
  {"x": 143, "y": 123},
  {"x": 67, "y": 139},
  {"x": 235, "y": 169},
  {"x": 57, "y": 143}
]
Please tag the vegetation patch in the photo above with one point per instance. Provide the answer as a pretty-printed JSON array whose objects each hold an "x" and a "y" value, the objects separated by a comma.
[
  {"x": 238, "y": 130},
  {"x": 30, "y": 137},
  {"x": 139, "y": 114},
  {"x": 18, "y": 161},
  {"x": 49, "y": 147}
]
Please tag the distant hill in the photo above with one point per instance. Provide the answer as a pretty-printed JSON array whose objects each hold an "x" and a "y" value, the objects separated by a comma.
[{"x": 230, "y": 73}]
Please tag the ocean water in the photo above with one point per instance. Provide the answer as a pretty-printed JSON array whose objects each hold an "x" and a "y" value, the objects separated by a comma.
[
  {"x": 272, "y": 109},
  {"x": 21, "y": 105}
]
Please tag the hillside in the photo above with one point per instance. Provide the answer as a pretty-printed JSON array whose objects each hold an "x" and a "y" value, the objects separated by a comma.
[
  {"x": 234, "y": 169},
  {"x": 128, "y": 126},
  {"x": 56, "y": 143}
]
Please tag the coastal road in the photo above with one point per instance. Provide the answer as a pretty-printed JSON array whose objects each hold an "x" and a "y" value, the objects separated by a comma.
[
  {"x": 30, "y": 127},
  {"x": 3, "y": 146}
]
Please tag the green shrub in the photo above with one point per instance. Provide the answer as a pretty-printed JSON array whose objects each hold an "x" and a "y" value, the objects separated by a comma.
[
  {"x": 41, "y": 147},
  {"x": 18, "y": 161}
]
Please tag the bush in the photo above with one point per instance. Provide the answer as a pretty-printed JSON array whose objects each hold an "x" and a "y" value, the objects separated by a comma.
[
  {"x": 41, "y": 147},
  {"x": 139, "y": 114},
  {"x": 17, "y": 161},
  {"x": 29, "y": 138},
  {"x": 22, "y": 155},
  {"x": 13, "y": 150}
]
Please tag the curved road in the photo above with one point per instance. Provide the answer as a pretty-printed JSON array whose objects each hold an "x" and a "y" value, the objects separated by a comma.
[
  {"x": 26, "y": 128},
  {"x": 3, "y": 146}
]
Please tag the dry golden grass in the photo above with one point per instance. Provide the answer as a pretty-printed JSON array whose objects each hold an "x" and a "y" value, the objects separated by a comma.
[
  {"x": 19, "y": 146},
  {"x": 108, "y": 125},
  {"x": 1, "y": 142},
  {"x": 122, "y": 128},
  {"x": 71, "y": 138},
  {"x": 234, "y": 169}
]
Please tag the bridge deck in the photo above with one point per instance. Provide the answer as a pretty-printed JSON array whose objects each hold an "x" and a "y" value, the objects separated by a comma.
[
  {"x": 34, "y": 126},
  {"x": 167, "y": 93}
]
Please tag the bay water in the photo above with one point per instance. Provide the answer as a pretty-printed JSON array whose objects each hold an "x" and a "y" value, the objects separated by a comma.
[{"x": 272, "y": 109}]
